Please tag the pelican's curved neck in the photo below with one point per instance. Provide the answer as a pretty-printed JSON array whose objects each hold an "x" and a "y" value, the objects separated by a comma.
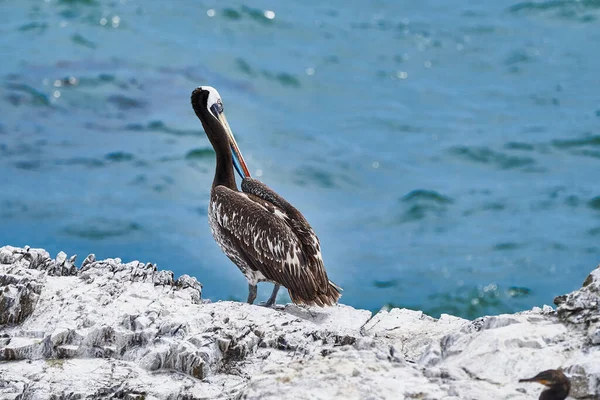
[{"x": 224, "y": 172}]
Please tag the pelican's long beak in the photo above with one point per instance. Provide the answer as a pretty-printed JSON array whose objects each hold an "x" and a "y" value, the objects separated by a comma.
[{"x": 236, "y": 154}]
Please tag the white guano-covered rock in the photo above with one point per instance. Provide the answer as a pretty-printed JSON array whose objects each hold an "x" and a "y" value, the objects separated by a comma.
[{"x": 126, "y": 330}]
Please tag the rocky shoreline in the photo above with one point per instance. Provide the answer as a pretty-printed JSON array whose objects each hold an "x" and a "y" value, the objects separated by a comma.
[{"x": 126, "y": 330}]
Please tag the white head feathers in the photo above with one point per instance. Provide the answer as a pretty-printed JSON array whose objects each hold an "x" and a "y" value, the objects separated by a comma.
[{"x": 213, "y": 96}]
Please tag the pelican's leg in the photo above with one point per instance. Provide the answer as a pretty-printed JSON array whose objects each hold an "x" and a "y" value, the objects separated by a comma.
[
  {"x": 273, "y": 297},
  {"x": 251, "y": 293}
]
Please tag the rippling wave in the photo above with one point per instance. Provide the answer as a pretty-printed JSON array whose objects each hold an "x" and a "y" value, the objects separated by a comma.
[{"x": 446, "y": 154}]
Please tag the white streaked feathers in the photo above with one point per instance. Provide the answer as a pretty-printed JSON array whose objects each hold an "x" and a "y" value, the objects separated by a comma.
[
  {"x": 216, "y": 220},
  {"x": 248, "y": 231},
  {"x": 282, "y": 215}
]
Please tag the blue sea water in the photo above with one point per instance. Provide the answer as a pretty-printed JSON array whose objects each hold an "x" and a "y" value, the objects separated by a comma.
[{"x": 446, "y": 153}]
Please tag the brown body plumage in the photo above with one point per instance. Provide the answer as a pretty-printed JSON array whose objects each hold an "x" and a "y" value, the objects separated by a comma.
[{"x": 263, "y": 234}]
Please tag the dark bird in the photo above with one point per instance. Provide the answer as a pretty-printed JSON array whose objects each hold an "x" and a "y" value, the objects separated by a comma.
[
  {"x": 558, "y": 384},
  {"x": 264, "y": 235}
]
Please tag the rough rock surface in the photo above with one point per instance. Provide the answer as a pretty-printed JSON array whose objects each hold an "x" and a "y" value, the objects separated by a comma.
[{"x": 129, "y": 331}]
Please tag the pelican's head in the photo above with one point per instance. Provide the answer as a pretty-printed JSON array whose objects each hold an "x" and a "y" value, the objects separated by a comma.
[{"x": 208, "y": 106}]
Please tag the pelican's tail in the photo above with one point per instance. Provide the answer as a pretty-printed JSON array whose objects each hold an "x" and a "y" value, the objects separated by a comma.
[{"x": 328, "y": 298}]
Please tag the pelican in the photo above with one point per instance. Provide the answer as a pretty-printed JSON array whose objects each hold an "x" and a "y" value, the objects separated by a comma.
[{"x": 264, "y": 235}]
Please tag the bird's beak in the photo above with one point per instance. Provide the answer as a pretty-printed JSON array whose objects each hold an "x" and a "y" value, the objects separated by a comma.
[
  {"x": 238, "y": 159},
  {"x": 542, "y": 381}
]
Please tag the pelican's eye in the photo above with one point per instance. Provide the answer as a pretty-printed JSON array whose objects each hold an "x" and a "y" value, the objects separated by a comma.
[{"x": 217, "y": 108}]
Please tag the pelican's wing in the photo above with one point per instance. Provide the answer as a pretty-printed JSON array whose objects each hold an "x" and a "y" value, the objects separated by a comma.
[
  {"x": 310, "y": 245},
  {"x": 265, "y": 236}
]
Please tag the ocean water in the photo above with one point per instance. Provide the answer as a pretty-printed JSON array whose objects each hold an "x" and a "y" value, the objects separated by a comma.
[{"x": 446, "y": 153}]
